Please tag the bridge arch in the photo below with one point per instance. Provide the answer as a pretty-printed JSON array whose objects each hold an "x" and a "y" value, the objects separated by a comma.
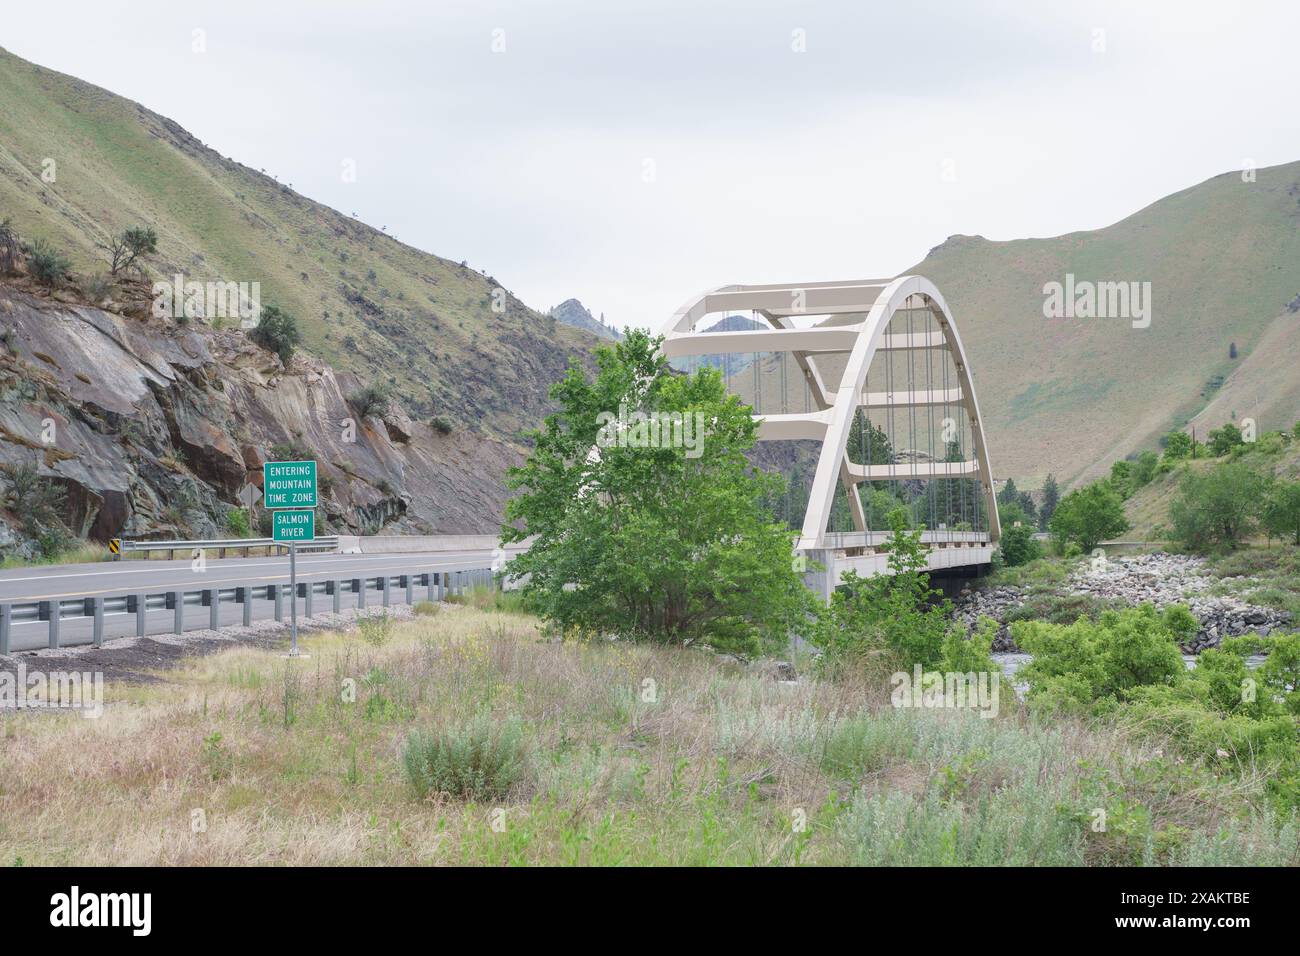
[{"x": 834, "y": 334}]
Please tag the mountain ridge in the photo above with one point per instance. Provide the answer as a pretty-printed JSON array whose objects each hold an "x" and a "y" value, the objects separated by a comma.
[{"x": 1072, "y": 395}]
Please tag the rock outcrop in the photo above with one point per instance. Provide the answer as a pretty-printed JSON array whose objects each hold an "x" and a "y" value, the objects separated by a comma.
[{"x": 153, "y": 427}]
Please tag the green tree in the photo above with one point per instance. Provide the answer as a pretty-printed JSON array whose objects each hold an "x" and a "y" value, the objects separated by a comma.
[
  {"x": 867, "y": 444},
  {"x": 127, "y": 247},
  {"x": 277, "y": 331},
  {"x": 1218, "y": 507},
  {"x": 639, "y": 537},
  {"x": 1178, "y": 446},
  {"x": 1010, "y": 513},
  {"x": 1051, "y": 498},
  {"x": 1009, "y": 494},
  {"x": 1144, "y": 468},
  {"x": 1281, "y": 511},
  {"x": 1223, "y": 440},
  {"x": 1089, "y": 516},
  {"x": 1121, "y": 478}
]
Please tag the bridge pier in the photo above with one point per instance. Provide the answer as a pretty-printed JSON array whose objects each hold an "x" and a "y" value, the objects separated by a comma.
[{"x": 821, "y": 575}]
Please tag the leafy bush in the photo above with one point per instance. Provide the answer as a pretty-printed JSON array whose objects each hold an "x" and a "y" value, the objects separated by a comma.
[
  {"x": 291, "y": 450},
  {"x": 479, "y": 760},
  {"x": 1080, "y": 667},
  {"x": 1018, "y": 545},
  {"x": 237, "y": 523},
  {"x": 38, "y": 502},
  {"x": 371, "y": 400},
  {"x": 277, "y": 331},
  {"x": 892, "y": 614},
  {"x": 47, "y": 265},
  {"x": 441, "y": 425}
]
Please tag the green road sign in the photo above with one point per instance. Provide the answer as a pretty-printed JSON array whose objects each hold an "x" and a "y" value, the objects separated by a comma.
[
  {"x": 289, "y": 484},
  {"x": 293, "y": 526}
]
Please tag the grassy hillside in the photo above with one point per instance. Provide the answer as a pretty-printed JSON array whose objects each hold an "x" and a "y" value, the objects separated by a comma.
[
  {"x": 366, "y": 303},
  {"x": 1223, "y": 258}
]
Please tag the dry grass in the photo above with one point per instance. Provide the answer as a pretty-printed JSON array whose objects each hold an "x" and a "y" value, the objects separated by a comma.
[{"x": 634, "y": 755}]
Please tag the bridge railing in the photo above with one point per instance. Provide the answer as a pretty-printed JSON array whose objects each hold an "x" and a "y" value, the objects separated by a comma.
[{"x": 842, "y": 540}]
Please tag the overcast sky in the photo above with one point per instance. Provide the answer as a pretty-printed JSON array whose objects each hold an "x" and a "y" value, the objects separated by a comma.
[{"x": 633, "y": 153}]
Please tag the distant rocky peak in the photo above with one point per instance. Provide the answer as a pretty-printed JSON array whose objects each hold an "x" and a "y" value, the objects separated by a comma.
[{"x": 572, "y": 312}]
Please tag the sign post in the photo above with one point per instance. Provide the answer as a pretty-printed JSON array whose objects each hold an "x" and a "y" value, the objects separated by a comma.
[
  {"x": 290, "y": 492},
  {"x": 249, "y": 495}
]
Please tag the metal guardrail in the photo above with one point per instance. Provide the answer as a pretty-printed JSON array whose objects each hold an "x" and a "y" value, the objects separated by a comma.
[
  {"x": 323, "y": 543},
  {"x": 438, "y": 585}
]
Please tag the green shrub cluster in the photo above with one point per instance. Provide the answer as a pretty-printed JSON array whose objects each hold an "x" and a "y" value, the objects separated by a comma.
[
  {"x": 1220, "y": 507},
  {"x": 1126, "y": 665}
]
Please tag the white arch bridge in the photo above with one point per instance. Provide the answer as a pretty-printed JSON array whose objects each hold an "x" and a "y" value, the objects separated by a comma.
[{"x": 865, "y": 388}]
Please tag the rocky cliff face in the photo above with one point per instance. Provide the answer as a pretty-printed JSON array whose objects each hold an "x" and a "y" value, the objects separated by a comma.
[{"x": 153, "y": 428}]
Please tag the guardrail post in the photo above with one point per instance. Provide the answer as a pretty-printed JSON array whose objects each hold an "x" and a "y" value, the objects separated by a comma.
[
  {"x": 214, "y": 608},
  {"x": 431, "y": 582},
  {"x": 54, "y": 623},
  {"x": 409, "y": 579},
  {"x": 359, "y": 586},
  {"x": 307, "y": 588},
  {"x": 388, "y": 597},
  {"x": 97, "y": 635},
  {"x": 277, "y": 593},
  {"x": 6, "y": 626},
  {"x": 336, "y": 589},
  {"x": 244, "y": 595},
  {"x": 141, "y": 609},
  {"x": 178, "y": 616}
]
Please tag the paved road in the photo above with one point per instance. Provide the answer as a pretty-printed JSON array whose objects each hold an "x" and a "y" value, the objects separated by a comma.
[{"x": 115, "y": 579}]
